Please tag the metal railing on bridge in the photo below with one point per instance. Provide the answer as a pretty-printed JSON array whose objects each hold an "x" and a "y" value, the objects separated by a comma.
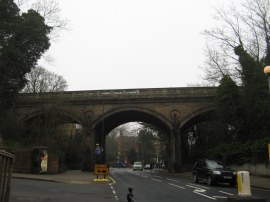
[{"x": 6, "y": 166}]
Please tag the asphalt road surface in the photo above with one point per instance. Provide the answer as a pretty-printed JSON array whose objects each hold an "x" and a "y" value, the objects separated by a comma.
[
  {"x": 23, "y": 190},
  {"x": 149, "y": 186}
]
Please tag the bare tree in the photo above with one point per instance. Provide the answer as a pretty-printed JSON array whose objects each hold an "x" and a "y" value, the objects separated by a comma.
[
  {"x": 50, "y": 10},
  {"x": 41, "y": 80},
  {"x": 246, "y": 25}
]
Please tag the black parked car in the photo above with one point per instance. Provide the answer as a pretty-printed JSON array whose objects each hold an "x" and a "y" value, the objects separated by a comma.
[{"x": 213, "y": 172}]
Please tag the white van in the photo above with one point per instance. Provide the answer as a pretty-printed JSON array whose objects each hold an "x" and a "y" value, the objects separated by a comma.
[{"x": 137, "y": 166}]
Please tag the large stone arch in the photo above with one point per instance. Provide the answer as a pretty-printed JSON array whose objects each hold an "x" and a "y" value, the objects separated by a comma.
[
  {"x": 130, "y": 114},
  {"x": 116, "y": 117}
]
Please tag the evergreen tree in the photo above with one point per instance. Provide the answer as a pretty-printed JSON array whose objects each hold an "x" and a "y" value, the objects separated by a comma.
[
  {"x": 227, "y": 102},
  {"x": 254, "y": 104},
  {"x": 23, "y": 39},
  {"x": 146, "y": 145}
]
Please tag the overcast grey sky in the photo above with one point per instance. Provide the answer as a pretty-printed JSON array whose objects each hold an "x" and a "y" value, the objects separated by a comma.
[{"x": 123, "y": 44}]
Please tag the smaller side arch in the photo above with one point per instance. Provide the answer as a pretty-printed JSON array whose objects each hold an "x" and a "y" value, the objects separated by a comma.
[
  {"x": 71, "y": 117},
  {"x": 198, "y": 115}
]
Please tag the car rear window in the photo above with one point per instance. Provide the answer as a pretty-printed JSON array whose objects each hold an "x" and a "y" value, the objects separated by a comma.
[{"x": 214, "y": 164}]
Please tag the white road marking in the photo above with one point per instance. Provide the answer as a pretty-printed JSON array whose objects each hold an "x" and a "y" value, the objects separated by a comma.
[
  {"x": 200, "y": 191},
  {"x": 157, "y": 176},
  {"x": 156, "y": 180},
  {"x": 172, "y": 180},
  {"x": 177, "y": 186},
  {"x": 204, "y": 195},
  {"x": 112, "y": 188},
  {"x": 226, "y": 193},
  {"x": 220, "y": 196},
  {"x": 195, "y": 187},
  {"x": 261, "y": 189},
  {"x": 114, "y": 193},
  {"x": 198, "y": 186}
]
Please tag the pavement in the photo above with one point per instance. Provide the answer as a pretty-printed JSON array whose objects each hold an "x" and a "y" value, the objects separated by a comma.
[
  {"x": 69, "y": 177},
  {"x": 79, "y": 177}
]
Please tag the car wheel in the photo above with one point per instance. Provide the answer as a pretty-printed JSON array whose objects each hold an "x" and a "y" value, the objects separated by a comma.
[
  {"x": 195, "y": 179},
  {"x": 209, "y": 181}
]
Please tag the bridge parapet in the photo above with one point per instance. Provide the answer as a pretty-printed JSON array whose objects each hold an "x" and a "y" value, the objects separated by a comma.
[{"x": 153, "y": 93}]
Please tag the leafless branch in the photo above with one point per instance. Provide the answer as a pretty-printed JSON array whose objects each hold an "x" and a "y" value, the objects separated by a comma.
[{"x": 248, "y": 26}]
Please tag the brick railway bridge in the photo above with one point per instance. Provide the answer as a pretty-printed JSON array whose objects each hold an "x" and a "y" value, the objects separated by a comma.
[{"x": 100, "y": 111}]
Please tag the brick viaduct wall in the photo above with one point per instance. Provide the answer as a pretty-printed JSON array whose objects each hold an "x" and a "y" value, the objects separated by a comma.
[
  {"x": 24, "y": 164},
  {"x": 189, "y": 101},
  {"x": 168, "y": 108}
]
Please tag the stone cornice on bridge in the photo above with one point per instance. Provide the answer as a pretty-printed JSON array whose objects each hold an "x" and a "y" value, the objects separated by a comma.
[
  {"x": 145, "y": 95},
  {"x": 150, "y": 105}
]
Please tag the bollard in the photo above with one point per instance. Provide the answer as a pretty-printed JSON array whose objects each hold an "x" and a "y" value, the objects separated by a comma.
[
  {"x": 244, "y": 194},
  {"x": 130, "y": 195},
  {"x": 243, "y": 181}
]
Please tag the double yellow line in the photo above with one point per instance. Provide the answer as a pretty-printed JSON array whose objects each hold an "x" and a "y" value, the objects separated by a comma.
[{"x": 112, "y": 180}]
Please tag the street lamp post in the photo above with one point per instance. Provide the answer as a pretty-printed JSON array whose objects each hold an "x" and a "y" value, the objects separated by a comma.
[{"x": 267, "y": 72}]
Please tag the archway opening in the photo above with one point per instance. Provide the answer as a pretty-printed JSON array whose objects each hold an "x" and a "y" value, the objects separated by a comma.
[
  {"x": 61, "y": 133},
  {"x": 198, "y": 134},
  {"x": 131, "y": 135},
  {"x": 137, "y": 141}
]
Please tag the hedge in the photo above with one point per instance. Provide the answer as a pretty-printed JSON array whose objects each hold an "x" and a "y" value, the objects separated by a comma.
[{"x": 240, "y": 153}]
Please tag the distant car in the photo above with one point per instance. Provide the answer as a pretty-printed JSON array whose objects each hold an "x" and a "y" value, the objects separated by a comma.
[
  {"x": 147, "y": 167},
  {"x": 213, "y": 172},
  {"x": 119, "y": 165},
  {"x": 137, "y": 166}
]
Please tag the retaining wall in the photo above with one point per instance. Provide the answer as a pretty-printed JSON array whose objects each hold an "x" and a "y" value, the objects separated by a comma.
[{"x": 258, "y": 169}]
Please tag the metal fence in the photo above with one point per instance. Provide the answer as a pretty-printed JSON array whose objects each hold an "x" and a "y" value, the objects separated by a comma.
[{"x": 6, "y": 166}]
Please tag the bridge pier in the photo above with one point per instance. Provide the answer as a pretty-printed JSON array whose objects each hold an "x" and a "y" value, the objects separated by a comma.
[
  {"x": 172, "y": 160},
  {"x": 89, "y": 147},
  {"x": 176, "y": 154},
  {"x": 176, "y": 160},
  {"x": 178, "y": 151}
]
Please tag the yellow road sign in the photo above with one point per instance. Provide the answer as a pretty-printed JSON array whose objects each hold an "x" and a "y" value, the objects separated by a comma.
[{"x": 101, "y": 169}]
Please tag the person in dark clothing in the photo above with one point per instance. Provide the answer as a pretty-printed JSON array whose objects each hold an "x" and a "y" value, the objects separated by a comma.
[{"x": 130, "y": 194}]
